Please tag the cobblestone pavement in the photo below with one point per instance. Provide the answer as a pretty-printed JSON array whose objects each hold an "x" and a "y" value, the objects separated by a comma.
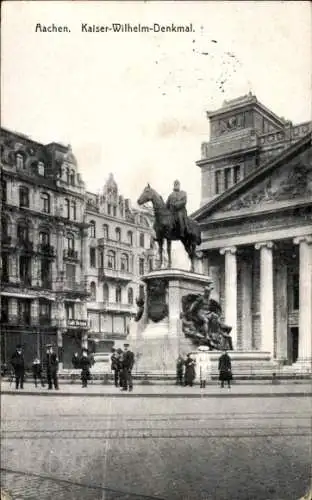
[{"x": 180, "y": 449}]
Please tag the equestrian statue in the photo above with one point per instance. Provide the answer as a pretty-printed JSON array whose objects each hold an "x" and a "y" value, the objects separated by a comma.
[{"x": 172, "y": 223}]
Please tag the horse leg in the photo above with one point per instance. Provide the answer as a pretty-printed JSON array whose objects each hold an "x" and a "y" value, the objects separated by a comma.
[
  {"x": 169, "y": 253},
  {"x": 190, "y": 250},
  {"x": 160, "y": 244}
]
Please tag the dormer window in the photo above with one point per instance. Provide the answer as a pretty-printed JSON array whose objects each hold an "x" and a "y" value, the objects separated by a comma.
[
  {"x": 19, "y": 161},
  {"x": 41, "y": 168},
  {"x": 72, "y": 177}
]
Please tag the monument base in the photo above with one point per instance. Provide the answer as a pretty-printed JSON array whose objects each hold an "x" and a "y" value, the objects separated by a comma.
[{"x": 158, "y": 341}]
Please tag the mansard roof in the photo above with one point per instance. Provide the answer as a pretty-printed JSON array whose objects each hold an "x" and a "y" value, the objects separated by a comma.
[{"x": 253, "y": 178}]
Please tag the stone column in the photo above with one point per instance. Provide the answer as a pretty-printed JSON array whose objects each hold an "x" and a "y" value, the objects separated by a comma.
[
  {"x": 246, "y": 305},
  {"x": 266, "y": 296},
  {"x": 305, "y": 300},
  {"x": 281, "y": 307},
  {"x": 230, "y": 315},
  {"x": 35, "y": 311}
]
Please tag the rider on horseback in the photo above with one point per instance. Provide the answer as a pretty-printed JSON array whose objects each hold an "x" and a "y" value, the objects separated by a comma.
[{"x": 176, "y": 203}]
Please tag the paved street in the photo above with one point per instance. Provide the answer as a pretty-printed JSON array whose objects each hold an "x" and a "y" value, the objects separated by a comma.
[{"x": 166, "y": 448}]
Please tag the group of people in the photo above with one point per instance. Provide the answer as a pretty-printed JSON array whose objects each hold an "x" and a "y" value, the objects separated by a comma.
[
  {"x": 185, "y": 370},
  {"x": 122, "y": 362},
  {"x": 83, "y": 363},
  {"x": 49, "y": 373}
]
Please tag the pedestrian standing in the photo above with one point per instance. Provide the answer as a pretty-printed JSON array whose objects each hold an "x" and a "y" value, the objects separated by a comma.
[
  {"x": 37, "y": 372},
  {"x": 189, "y": 375},
  {"x": 180, "y": 369},
  {"x": 114, "y": 366},
  {"x": 119, "y": 366},
  {"x": 85, "y": 365},
  {"x": 18, "y": 364},
  {"x": 52, "y": 368},
  {"x": 76, "y": 361},
  {"x": 127, "y": 365},
  {"x": 225, "y": 369}
]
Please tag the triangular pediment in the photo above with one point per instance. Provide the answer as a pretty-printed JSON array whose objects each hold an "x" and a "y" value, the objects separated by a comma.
[{"x": 285, "y": 181}]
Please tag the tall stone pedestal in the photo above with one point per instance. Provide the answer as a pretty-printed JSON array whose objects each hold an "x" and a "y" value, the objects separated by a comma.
[{"x": 157, "y": 339}]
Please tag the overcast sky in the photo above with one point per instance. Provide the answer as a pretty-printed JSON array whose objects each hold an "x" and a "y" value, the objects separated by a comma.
[{"x": 134, "y": 103}]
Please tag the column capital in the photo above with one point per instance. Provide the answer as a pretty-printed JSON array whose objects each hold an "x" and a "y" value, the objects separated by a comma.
[
  {"x": 264, "y": 244},
  {"x": 303, "y": 239},
  {"x": 231, "y": 250}
]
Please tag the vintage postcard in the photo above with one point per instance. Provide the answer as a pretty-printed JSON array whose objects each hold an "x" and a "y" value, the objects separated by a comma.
[{"x": 156, "y": 250}]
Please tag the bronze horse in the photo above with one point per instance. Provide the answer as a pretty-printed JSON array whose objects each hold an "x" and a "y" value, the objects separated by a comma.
[{"x": 165, "y": 229}]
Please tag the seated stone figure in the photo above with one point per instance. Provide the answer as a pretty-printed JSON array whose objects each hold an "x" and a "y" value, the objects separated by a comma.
[{"x": 201, "y": 321}]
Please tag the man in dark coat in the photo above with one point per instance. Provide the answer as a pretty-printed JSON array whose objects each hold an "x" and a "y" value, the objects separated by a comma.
[
  {"x": 115, "y": 366},
  {"x": 180, "y": 367},
  {"x": 76, "y": 361},
  {"x": 189, "y": 374},
  {"x": 18, "y": 363},
  {"x": 225, "y": 369},
  {"x": 127, "y": 365},
  {"x": 52, "y": 367},
  {"x": 85, "y": 365}
]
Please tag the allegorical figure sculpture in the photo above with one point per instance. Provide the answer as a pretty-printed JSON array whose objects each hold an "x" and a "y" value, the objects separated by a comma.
[
  {"x": 172, "y": 223},
  {"x": 201, "y": 321}
]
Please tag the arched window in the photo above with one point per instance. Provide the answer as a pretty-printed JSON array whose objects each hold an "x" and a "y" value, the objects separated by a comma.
[
  {"x": 45, "y": 202},
  {"x": 73, "y": 208},
  {"x": 67, "y": 209},
  {"x": 93, "y": 290},
  {"x": 105, "y": 292},
  {"x": 111, "y": 260},
  {"x": 22, "y": 232},
  {"x": 67, "y": 175},
  {"x": 118, "y": 234},
  {"x": 130, "y": 296},
  {"x": 130, "y": 237},
  {"x": 118, "y": 294},
  {"x": 19, "y": 161},
  {"x": 72, "y": 177},
  {"x": 92, "y": 231},
  {"x": 142, "y": 240},
  {"x": 105, "y": 231},
  {"x": 124, "y": 262},
  {"x": 70, "y": 242},
  {"x": 41, "y": 168},
  {"x": 24, "y": 196},
  {"x": 44, "y": 238}
]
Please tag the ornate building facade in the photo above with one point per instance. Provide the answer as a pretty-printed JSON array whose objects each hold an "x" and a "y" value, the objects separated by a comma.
[
  {"x": 256, "y": 219},
  {"x": 63, "y": 261},
  {"x": 120, "y": 250}
]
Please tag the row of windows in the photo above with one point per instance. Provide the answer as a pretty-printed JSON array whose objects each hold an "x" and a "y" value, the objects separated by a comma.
[
  {"x": 226, "y": 178},
  {"x": 118, "y": 292},
  {"x": 124, "y": 261},
  {"x": 45, "y": 201},
  {"x": 24, "y": 310},
  {"x": 92, "y": 234}
]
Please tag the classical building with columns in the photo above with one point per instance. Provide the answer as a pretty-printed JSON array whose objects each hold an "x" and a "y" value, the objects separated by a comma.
[{"x": 256, "y": 220}]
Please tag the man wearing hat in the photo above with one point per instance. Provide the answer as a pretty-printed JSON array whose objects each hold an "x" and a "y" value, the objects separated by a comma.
[
  {"x": 127, "y": 363},
  {"x": 176, "y": 203},
  {"x": 52, "y": 367},
  {"x": 18, "y": 363}
]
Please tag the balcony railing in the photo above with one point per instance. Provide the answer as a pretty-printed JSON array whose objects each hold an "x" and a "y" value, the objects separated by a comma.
[
  {"x": 71, "y": 254},
  {"x": 46, "y": 249},
  {"x": 70, "y": 285},
  {"x": 118, "y": 274},
  {"x": 118, "y": 306},
  {"x": 109, "y": 241},
  {"x": 25, "y": 244}
]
